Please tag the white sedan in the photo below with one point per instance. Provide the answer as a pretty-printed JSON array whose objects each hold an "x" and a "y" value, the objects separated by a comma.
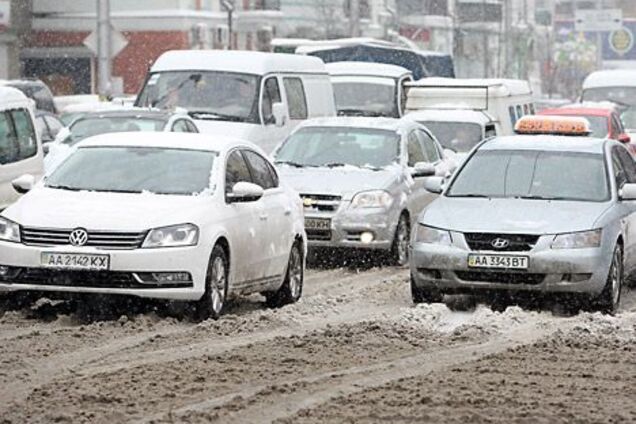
[{"x": 186, "y": 217}]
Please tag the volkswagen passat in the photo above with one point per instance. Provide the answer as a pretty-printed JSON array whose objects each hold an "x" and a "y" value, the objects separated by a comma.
[
  {"x": 361, "y": 180},
  {"x": 531, "y": 213},
  {"x": 171, "y": 216}
]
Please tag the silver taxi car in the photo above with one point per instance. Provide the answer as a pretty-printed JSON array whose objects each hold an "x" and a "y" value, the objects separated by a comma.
[
  {"x": 361, "y": 180},
  {"x": 531, "y": 213}
]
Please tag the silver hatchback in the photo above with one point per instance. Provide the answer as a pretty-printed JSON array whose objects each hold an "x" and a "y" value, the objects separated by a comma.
[
  {"x": 531, "y": 213},
  {"x": 361, "y": 180}
]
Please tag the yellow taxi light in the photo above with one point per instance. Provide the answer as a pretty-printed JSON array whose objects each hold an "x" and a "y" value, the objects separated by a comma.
[{"x": 558, "y": 125}]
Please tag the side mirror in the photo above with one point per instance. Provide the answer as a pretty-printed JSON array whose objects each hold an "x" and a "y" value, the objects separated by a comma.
[
  {"x": 243, "y": 192},
  {"x": 24, "y": 183},
  {"x": 628, "y": 192},
  {"x": 434, "y": 184},
  {"x": 624, "y": 138},
  {"x": 279, "y": 113},
  {"x": 423, "y": 169}
]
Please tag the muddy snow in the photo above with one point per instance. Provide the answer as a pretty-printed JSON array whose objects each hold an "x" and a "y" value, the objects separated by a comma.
[{"x": 355, "y": 349}]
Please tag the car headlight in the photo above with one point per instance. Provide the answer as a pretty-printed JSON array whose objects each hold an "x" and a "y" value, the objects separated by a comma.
[
  {"x": 577, "y": 240},
  {"x": 9, "y": 230},
  {"x": 372, "y": 199},
  {"x": 172, "y": 236},
  {"x": 424, "y": 234}
]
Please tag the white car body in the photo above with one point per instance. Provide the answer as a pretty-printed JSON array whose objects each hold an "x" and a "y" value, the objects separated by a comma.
[{"x": 257, "y": 235}]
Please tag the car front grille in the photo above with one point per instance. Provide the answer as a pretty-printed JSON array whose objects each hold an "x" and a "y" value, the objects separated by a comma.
[
  {"x": 321, "y": 202},
  {"x": 515, "y": 242},
  {"x": 88, "y": 279},
  {"x": 97, "y": 239},
  {"x": 501, "y": 277},
  {"x": 318, "y": 235}
]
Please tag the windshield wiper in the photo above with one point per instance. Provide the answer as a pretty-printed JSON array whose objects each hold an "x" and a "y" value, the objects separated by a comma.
[
  {"x": 334, "y": 164},
  {"x": 359, "y": 112},
  {"x": 533, "y": 197},
  {"x": 213, "y": 116},
  {"x": 290, "y": 163},
  {"x": 62, "y": 187},
  {"x": 474, "y": 196}
]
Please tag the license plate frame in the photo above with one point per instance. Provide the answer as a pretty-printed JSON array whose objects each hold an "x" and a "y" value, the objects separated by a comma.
[
  {"x": 493, "y": 261},
  {"x": 318, "y": 224},
  {"x": 75, "y": 261}
]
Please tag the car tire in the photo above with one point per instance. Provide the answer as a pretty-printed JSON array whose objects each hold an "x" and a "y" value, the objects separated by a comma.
[
  {"x": 399, "y": 255},
  {"x": 609, "y": 299},
  {"x": 292, "y": 287},
  {"x": 216, "y": 286},
  {"x": 425, "y": 295}
]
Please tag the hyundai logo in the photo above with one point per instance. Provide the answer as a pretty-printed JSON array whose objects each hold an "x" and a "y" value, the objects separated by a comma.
[
  {"x": 500, "y": 243},
  {"x": 78, "y": 237}
]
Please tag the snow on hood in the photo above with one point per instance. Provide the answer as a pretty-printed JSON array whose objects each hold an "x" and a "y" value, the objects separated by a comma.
[
  {"x": 50, "y": 208},
  {"x": 341, "y": 181},
  {"x": 512, "y": 215}
]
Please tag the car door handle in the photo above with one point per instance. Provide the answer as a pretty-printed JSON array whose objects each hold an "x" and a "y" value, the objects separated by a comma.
[{"x": 263, "y": 217}]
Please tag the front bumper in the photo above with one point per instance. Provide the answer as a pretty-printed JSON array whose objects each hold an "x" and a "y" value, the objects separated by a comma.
[
  {"x": 25, "y": 272},
  {"x": 445, "y": 268},
  {"x": 347, "y": 228}
]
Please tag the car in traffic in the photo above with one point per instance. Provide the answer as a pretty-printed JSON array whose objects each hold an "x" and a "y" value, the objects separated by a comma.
[
  {"x": 361, "y": 180},
  {"x": 511, "y": 220},
  {"x": 170, "y": 216},
  {"x": 47, "y": 125},
  {"x": 112, "y": 121},
  {"x": 35, "y": 90}
]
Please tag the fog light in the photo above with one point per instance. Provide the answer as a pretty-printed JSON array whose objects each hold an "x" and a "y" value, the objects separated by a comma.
[
  {"x": 164, "y": 277},
  {"x": 4, "y": 271},
  {"x": 366, "y": 237}
]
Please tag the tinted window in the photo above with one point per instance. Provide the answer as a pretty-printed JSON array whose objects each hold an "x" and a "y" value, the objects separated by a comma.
[
  {"x": 628, "y": 164},
  {"x": 8, "y": 143},
  {"x": 534, "y": 174},
  {"x": 261, "y": 173},
  {"x": 236, "y": 171},
  {"x": 25, "y": 132},
  {"x": 271, "y": 95},
  {"x": 296, "y": 98},
  {"x": 491, "y": 131},
  {"x": 415, "y": 151}
]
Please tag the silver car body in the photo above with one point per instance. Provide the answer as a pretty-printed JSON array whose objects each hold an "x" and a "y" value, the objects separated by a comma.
[
  {"x": 328, "y": 192},
  {"x": 534, "y": 223}
]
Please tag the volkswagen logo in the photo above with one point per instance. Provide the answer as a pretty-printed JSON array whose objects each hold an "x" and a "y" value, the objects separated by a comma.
[
  {"x": 78, "y": 237},
  {"x": 500, "y": 243}
]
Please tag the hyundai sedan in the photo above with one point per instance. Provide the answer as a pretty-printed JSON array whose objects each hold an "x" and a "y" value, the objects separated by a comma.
[{"x": 185, "y": 217}]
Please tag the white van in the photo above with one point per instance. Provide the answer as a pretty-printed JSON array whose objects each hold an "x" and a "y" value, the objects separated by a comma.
[
  {"x": 254, "y": 96},
  {"x": 617, "y": 86},
  {"x": 369, "y": 89},
  {"x": 462, "y": 112},
  {"x": 20, "y": 147}
]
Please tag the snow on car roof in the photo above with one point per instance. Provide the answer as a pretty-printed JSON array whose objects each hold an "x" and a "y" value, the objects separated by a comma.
[
  {"x": 546, "y": 142},
  {"x": 450, "y": 115},
  {"x": 366, "y": 69},
  {"x": 508, "y": 86},
  {"x": 166, "y": 140},
  {"x": 258, "y": 63},
  {"x": 390, "y": 124},
  {"x": 9, "y": 94},
  {"x": 610, "y": 78}
]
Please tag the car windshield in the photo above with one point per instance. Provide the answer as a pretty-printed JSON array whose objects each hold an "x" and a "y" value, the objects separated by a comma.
[
  {"x": 533, "y": 174},
  {"x": 366, "y": 98},
  {"x": 458, "y": 136},
  {"x": 340, "y": 146},
  {"x": 206, "y": 95},
  {"x": 88, "y": 127},
  {"x": 598, "y": 125},
  {"x": 135, "y": 170},
  {"x": 625, "y": 97}
]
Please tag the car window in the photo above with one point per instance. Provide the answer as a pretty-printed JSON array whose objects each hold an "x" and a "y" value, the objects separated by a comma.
[
  {"x": 618, "y": 125},
  {"x": 191, "y": 127},
  {"x": 236, "y": 171},
  {"x": 180, "y": 126},
  {"x": 261, "y": 172},
  {"x": 513, "y": 117},
  {"x": 403, "y": 94},
  {"x": 8, "y": 143},
  {"x": 628, "y": 164},
  {"x": 526, "y": 109},
  {"x": 414, "y": 149},
  {"x": 430, "y": 147},
  {"x": 55, "y": 125},
  {"x": 619, "y": 171},
  {"x": 296, "y": 100},
  {"x": 491, "y": 131},
  {"x": 27, "y": 144},
  {"x": 519, "y": 112},
  {"x": 271, "y": 95},
  {"x": 532, "y": 108},
  {"x": 42, "y": 129}
]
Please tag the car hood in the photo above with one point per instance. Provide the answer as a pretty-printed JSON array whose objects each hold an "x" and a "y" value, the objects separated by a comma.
[
  {"x": 345, "y": 181},
  {"x": 512, "y": 215},
  {"x": 49, "y": 208}
]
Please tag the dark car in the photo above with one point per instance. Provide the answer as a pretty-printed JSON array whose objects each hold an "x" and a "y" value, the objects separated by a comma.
[{"x": 36, "y": 90}]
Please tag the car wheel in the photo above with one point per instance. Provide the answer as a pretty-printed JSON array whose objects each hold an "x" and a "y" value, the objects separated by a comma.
[
  {"x": 213, "y": 300},
  {"x": 400, "y": 246},
  {"x": 425, "y": 295},
  {"x": 610, "y": 297},
  {"x": 292, "y": 287}
]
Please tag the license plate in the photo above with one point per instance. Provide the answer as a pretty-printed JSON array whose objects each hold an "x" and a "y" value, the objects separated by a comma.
[
  {"x": 317, "y": 224},
  {"x": 498, "y": 261},
  {"x": 75, "y": 261}
]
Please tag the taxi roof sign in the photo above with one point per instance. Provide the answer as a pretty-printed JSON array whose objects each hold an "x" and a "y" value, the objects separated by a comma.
[{"x": 554, "y": 125}]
